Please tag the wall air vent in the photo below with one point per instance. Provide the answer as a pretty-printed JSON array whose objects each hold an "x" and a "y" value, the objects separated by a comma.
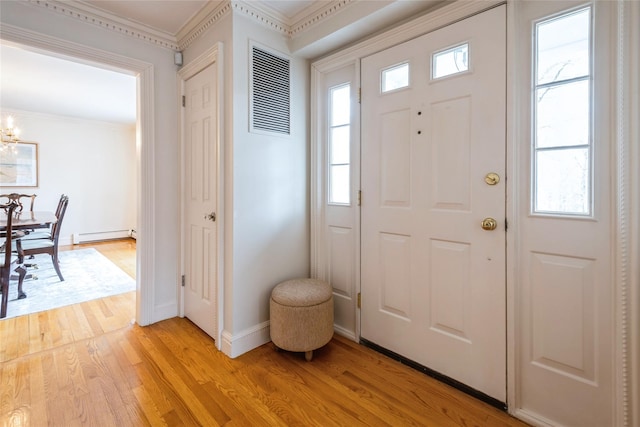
[{"x": 270, "y": 92}]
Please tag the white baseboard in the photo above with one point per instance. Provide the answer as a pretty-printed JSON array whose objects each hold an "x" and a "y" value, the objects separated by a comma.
[
  {"x": 77, "y": 238},
  {"x": 235, "y": 345},
  {"x": 165, "y": 311},
  {"x": 345, "y": 333}
]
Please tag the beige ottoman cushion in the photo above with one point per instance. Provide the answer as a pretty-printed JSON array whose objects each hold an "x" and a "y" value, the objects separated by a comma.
[{"x": 301, "y": 313}]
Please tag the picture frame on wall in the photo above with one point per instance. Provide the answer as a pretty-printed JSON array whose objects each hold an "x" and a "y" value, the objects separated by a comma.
[{"x": 19, "y": 164}]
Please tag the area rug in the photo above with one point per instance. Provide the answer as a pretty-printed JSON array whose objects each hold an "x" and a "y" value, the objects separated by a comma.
[{"x": 87, "y": 275}]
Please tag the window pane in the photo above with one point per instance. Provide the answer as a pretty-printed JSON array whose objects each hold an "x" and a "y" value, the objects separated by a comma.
[
  {"x": 451, "y": 61},
  {"x": 339, "y": 184},
  {"x": 395, "y": 78},
  {"x": 340, "y": 145},
  {"x": 563, "y": 47},
  {"x": 563, "y": 115},
  {"x": 340, "y": 106},
  {"x": 562, "y": 184},
  {"x": 562, "y": 146}
]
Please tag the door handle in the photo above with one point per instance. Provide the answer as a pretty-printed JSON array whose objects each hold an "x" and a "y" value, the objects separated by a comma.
[
  {"x": 211, "y": 217},
  {"x": 489, "y": 224},
  {"x": 492, "y": 178}
]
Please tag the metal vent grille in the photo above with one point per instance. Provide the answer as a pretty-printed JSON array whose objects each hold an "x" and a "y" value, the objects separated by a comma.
[{"x": 270, "y": 103}]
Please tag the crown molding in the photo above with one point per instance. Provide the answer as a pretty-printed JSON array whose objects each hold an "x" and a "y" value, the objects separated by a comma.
[
  {"x": 91, "y": 15},
  {"x": 305, "y": 21},
  {"x": 203, "y": 20}
]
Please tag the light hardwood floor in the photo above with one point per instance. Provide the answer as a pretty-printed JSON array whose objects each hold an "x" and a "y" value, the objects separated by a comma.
[{"x": 89, "y": 364}]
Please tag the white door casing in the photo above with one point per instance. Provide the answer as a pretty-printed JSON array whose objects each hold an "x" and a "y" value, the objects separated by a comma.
[
  {"x": 202, "y": 175},
  {"x": 433, "y": 281}
]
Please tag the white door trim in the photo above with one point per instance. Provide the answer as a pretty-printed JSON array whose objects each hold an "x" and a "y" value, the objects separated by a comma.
[
  {"x": 627, "y": 204},
  {"x": 146, "y": 225},
  {"x": 211, "y": 56}
]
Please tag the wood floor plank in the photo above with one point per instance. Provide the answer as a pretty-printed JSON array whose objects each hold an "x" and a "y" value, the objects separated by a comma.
[
  {"x": 89, "y": 365},
  {"x": 38, "y": 398},
  {"x": 334, "y": 399}
]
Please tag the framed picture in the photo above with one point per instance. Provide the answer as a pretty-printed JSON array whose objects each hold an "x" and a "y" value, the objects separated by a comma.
[{"x": 19, "y": 164}]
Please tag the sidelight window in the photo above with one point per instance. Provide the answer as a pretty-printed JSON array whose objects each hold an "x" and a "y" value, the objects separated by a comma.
[
  {"x": 339, "y": 144},
  {"x": 562, "y": 115}
]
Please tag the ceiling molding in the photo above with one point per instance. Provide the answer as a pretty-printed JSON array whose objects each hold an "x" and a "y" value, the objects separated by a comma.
[
  {"x": 107, "y": 21},
  {"x": 309, "y": 20},
  {"x": 261, "y": 15},
  {"x": 200, "y": 23},
  {"x": 289, "y": 27}
]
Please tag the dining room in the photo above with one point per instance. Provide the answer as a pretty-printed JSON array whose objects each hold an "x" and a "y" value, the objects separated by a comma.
[
  {"x": 66, "y": 147},
  {"x": 40, "y": 273}
]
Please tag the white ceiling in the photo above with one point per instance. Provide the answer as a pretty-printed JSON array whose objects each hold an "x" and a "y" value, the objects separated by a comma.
[
  {"x": 39, "y": 83},
  {"x": 168, "y": 16}
]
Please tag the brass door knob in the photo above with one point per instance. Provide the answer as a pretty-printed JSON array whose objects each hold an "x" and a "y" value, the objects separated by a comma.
[
  {"x": 489, "y": 224},
  {"x": 492, "y": 178}
]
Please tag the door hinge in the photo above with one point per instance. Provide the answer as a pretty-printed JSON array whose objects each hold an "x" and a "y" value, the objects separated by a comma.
[
  {"x": 359, "y": 300},
  {"x": 506, "y": 226},
  {"x": 359, "y": 197},
  {"x": 359, "y": 95},
  {"x": 183, "y": 280},
  {"x": 184, "y": 101}
]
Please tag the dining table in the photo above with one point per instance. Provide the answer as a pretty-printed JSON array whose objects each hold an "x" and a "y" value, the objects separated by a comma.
[{"x": 28, "y": 220}]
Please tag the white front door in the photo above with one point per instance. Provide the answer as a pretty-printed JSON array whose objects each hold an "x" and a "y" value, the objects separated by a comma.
[
  {"x": 433, "y": 166},
  {"x": 201, "y": 175}
]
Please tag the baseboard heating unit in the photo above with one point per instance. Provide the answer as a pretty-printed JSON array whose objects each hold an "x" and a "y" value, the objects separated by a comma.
[{"x": 78, "y": 238}]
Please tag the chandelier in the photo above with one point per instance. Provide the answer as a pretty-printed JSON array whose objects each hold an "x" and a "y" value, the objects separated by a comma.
[{"x": 9, "y": 135}]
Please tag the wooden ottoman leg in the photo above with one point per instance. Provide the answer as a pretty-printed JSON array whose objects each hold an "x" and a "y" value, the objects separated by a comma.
[{"x": 308, "y": 355}]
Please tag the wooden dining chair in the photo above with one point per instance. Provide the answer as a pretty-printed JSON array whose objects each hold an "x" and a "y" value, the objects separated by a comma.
[
  {"x": 17, "y": 198},
  {"x": 47, "y": 233},
  {"x": 46, "y": 245},
  {"x": 8, "y": 260}
]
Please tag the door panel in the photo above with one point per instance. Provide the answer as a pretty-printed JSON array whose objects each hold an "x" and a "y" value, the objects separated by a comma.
[
  {"x": 433, "y": 281},
  {"x": 201, "y": 205}
]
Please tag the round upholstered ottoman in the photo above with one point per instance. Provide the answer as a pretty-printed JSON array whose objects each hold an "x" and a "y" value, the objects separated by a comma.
[{"x": 301, "y": 312}]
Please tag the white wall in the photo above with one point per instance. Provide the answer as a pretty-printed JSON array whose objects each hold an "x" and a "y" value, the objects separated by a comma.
[
  {"x": 92, "y": 162},
  {"x": 159, "y": 233},
  {"x": 271, "y": 185},
  {"x": 266, "y": 187}
]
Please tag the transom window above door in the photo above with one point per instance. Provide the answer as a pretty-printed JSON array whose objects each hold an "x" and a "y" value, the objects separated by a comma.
[
  {"x": 396, "y": 77},
  {"x": 450, "y": 61}
]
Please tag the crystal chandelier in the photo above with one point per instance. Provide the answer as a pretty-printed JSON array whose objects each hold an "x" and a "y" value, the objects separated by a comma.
[{"x": 9, "y": 135}]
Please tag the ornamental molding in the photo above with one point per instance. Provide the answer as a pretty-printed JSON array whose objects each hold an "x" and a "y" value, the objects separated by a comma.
[
  {"x": 199, "y": 24},
  {"x": 107, "y": 21},
  {"x": 288, "y": 27}
]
